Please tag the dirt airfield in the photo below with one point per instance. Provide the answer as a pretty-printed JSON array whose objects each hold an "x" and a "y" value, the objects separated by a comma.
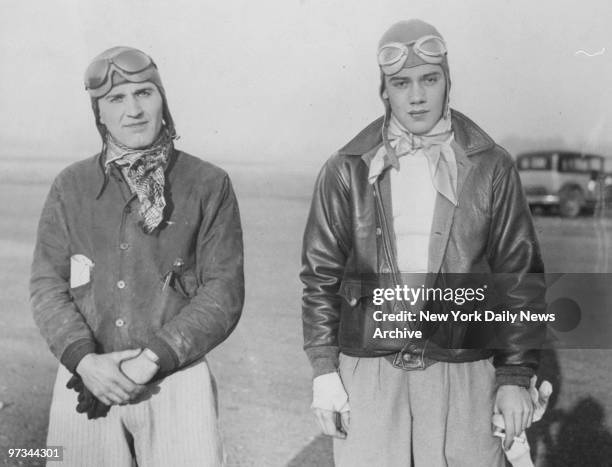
[{"x": 263, "y": 376}]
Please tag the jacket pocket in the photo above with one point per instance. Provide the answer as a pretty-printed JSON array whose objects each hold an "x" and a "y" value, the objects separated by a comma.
[
  {"x": 80, "y": 292},
  {"x": 186, "y": 284},
  {"x": 357, "y": 324},
  {"x": 352, "y": 314},
  {"x": 171, "y": 296},
  {"x": 354, "y": 292},
  {"x": 362, "y": 327}
]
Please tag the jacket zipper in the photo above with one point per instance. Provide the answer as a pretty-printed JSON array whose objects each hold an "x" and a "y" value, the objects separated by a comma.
[
  {"x": 387, "y": 249},
  {"x": 383, "y": 226},
  {"x": 386, "y": 236}
]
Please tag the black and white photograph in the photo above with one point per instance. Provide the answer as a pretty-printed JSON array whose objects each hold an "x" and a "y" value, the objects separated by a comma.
[{"x": 306, "y": 233}]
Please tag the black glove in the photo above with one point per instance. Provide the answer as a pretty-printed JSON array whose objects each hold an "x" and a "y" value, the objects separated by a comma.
[{"x": 88, "y": 403}]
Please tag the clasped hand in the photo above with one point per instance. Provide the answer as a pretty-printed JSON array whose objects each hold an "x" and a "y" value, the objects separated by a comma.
[{"x": 116, "y": 377}]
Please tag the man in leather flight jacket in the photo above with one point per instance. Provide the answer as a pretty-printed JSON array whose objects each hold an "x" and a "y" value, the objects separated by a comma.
[
  {"x": 424, "y": 191},
  {"x": 137, "y": 275}
]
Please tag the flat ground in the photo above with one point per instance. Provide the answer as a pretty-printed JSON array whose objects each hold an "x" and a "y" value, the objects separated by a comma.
[{"x": 262, "y": 373}]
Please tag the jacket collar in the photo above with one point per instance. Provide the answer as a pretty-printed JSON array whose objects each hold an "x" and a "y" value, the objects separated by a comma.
[
  {"x": 468, "y": 136},
  {"x": 469, "y": 139}
]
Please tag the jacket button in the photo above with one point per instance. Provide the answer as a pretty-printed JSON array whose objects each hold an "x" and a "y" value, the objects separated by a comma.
[
  {"x": 406, "y": 357},
  {"x": 121, "y": 284},
  {"x": 378, "y": 231},
  {"x": 119, "y": 323},
  {"x": 353, "y": 301},
  {"x": 124, "y": 246}
]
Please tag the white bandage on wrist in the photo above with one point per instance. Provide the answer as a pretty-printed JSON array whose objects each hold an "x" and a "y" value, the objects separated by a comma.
[
  {"x": 328, "y": 393},
  {"x": 150, "y": 355}
]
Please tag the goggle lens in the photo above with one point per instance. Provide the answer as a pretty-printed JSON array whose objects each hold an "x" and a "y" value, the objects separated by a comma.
[
  {"x": 431, "y": 46},
  {"x": 132, "y": 61},
  {"x": 390, "y": 54},
  {"x": 96, "y": 73}
]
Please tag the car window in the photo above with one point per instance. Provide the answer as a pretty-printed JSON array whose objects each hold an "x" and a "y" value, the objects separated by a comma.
[
  {"x": 579, "y": 163},
  {"x": 534, "y": 162}
]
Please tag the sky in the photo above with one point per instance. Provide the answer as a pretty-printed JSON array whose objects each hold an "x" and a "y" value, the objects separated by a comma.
[{"x": 293, "y": 80}]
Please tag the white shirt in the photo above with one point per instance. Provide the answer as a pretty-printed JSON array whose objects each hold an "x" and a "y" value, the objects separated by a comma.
[{"x": 413, "y": 198}]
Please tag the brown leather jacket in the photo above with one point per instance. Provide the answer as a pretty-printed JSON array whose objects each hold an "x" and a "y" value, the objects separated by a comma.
[{"x": 349, "y": 236}]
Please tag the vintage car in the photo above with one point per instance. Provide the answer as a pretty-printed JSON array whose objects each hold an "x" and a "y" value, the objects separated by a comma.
[{"x": 568, "y": 181}]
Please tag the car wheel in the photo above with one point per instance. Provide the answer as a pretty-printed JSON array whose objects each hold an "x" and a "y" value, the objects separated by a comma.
[{"x": 571, "y": 202}]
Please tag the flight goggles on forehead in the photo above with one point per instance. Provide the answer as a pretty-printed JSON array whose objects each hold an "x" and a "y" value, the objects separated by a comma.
[
  {"x": 393, "y": 56},
  {"x": 133, "y": 65}
]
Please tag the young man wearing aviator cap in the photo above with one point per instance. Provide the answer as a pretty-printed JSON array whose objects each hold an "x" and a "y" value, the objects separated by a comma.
[
  {"x": 417, "y": 195},
  {"x": 137, "y": 275}
]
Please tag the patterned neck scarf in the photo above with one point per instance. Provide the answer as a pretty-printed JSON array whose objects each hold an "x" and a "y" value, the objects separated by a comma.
[
  {"x": 144, "y": 171},
  {"x": 435, "y": 146}
]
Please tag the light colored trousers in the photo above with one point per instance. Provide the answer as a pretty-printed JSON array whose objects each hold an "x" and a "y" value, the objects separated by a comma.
[
  {"x": 438, "y": 417},
  {"x": 177, "y": 426}
]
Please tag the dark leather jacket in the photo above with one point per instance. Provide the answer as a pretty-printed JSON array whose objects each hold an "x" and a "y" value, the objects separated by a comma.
[
  {"x": 349, "y": 235},
  {"x": 137, "y": 297}
]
